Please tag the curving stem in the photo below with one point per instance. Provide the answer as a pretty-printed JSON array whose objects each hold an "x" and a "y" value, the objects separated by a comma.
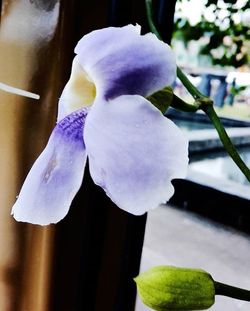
[{"x": 201, "y": 102}]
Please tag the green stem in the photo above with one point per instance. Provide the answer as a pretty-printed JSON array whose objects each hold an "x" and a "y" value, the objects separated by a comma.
[
  {"x": 181, "y": 105},
  {"x": 188, "y": 85},
  {"x": 226, "y": 141},
  {"x": 201, "y": 102},
  {"x": 152, "y": 27},
  {"x": 180, "y": 74},
  {"x": 231, "y": 291},
  {"x": 184, "y": 79}
]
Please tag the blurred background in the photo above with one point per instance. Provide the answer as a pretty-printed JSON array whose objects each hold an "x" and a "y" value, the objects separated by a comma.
[
  {"x": 206, "y": 224},
  {"x": 211, "y": 42}
]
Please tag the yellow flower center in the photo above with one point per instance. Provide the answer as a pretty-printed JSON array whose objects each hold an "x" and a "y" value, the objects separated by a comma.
[{"x": 80, "y": 90}]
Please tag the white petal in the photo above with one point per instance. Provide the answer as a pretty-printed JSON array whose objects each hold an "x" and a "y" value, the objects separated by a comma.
[{"x": 134, "y": 152}]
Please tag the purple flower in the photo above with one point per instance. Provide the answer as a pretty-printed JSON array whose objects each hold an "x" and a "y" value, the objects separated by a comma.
[{"x": 133, "y": 150}]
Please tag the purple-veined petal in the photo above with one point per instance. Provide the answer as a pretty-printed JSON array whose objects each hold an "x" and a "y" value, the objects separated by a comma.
[
  {"x": 120, "y": 61},
  {"x": 134, "y": 152},
  {"x": 56, "y": 176}
]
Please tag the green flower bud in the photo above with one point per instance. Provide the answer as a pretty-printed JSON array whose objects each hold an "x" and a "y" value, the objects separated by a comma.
[{"x": 170, "y": 288}]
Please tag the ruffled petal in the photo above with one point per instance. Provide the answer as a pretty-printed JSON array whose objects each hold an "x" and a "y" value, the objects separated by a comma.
[
  {"x": 134, "y": 152},
  {"x": 120, "y": 61},
  {"x": 56, "y": 175}
]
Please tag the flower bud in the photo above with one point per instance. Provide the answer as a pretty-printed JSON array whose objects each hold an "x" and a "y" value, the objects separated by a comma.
[{"x": 170, "y": 288}]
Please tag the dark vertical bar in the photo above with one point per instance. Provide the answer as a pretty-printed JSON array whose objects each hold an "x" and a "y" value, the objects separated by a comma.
[
  {"x": 123, "y": 12},
  {"x": 98, "y": 246},
  {"x": 164, "y": 18},
  {"x": 120, "y": 12}
]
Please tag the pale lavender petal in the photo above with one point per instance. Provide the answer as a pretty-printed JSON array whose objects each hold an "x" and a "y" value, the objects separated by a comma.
[
  {"x": 134, "y": 152},
  {"x": 56, "y": 175},
  {"x": 109, "y": 39},
  {"x": 120, "y": 61}
]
